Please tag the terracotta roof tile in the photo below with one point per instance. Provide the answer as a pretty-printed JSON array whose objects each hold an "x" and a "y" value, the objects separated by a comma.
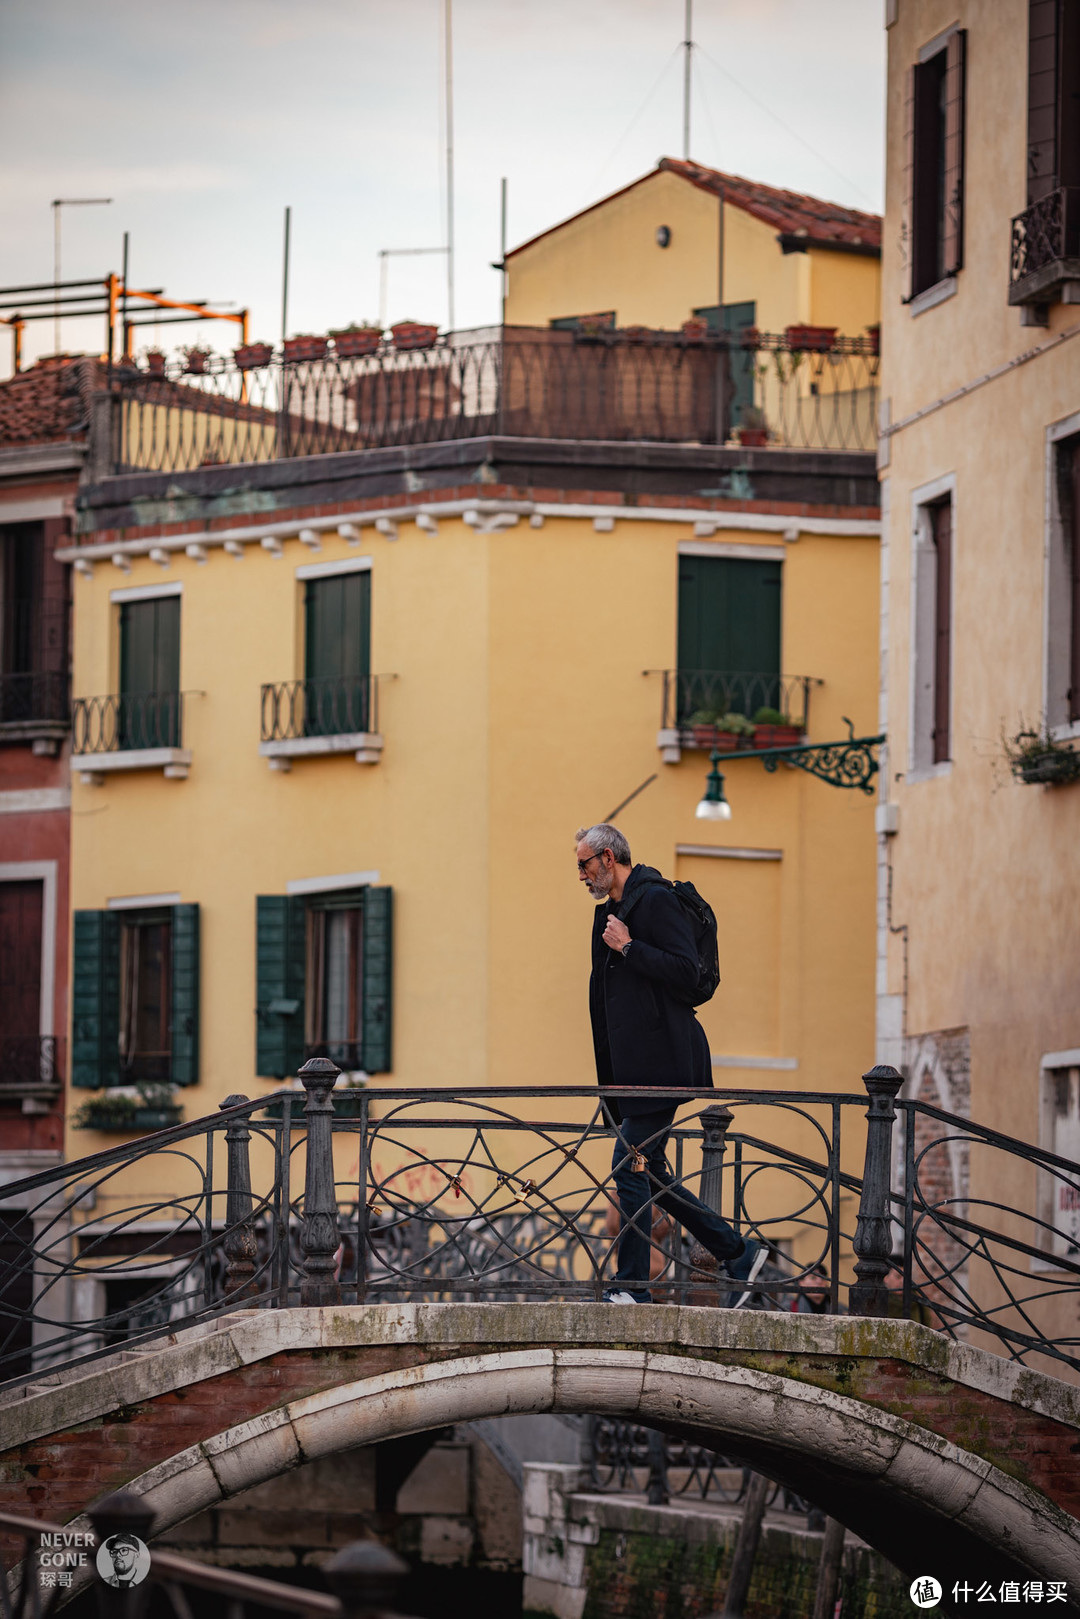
[
  {"x": 49, "y": 403},
  {"x": 792, "y": 213}
]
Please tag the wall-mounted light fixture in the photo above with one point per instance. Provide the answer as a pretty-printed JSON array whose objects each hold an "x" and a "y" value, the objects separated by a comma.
[{"x": 714, "y": 806}]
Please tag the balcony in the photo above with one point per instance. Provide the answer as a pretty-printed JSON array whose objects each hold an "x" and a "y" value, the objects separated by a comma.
[
  {"x": 1045, "y": 258},
  {"x": 34, "y": 691},
  {"x": 731, "y": 710},
  {"x": 754, "y": 390},
  {"x": 30, "y": 1066},
  {"x": 128, "y": 731},
  {"x": 311, "y": 718}
]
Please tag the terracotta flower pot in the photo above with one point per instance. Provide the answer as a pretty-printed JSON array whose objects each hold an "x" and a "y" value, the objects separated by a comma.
[
  {"x": 413, "y": 334},
  {"x": 195, "y": 362},
  {"x": 810, "y": 339},
  {"x": 155, "y": 363},
  {"x": 356, "y": 340},
  {"x": 249, "y": 356},
  {"x": 728, "y": 742},
  {"x": 777, "y": 736},
  {"x": 305, "y": 348},
  {"x": 695, "y": 330},
  {"x": 874, "y": 335},
  {"x": 705, "y": 735},
  {"x": 752, "y": 436}
]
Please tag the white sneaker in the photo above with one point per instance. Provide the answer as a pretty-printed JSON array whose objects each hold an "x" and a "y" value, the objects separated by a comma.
[
  {"x": 748, "y": 1274},
  {"x": 618, "y": 1296}
]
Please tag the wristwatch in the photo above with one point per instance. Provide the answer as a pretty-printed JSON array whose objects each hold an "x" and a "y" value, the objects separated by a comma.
[{"x": 624, "y": 948}]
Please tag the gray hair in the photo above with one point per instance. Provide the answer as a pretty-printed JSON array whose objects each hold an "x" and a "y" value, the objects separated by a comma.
[{"x": 604, "y": 836}]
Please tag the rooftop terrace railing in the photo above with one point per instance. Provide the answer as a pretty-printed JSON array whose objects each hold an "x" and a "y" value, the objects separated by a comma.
[
  {"x": 752, "y": 389},
  {"x": 506, "y": 1194}
]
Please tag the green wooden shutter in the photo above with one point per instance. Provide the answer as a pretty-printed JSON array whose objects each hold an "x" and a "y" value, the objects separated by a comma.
[
  {"x": 735, "y": 318},
  {"x": 378, "y": 948},
  {"x": 280, "y": 949},
  {"x": 95, "y": 1000},
  {"x": 337, "y": 653},
  {"x": 185, "y": 995},
  {"x": 729, "y": 615}
]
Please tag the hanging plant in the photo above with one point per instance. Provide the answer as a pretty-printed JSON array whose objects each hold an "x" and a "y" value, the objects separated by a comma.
[
  {"x": 1036, "y": 758},
  {"x": 155, "y": 362},
  {"x": 250, "y": 356},
  {"x": 196, "y": 359},
  {"x": 413, "y": 334},
  {"x": 305, "y": 347},
  {"x": 357, "y": 339}
]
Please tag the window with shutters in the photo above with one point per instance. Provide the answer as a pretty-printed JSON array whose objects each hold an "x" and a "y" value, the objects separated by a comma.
[
  {"x": 1045, "y": 248},
  {"x": 736, "y": 318},
  {"x": 933, "y": 225},
  {"x": 1059, "y": 1131},
  {"x": 149, "y": 707},
  {"x": 932, "y": 663},
  {"x": 21, "y": 918},
  {"x": 135, "y": 996},
  {"x": 1063, "y": 584},
  {"x": 729, "y": 634},
  {"x": 33, "y": 631},
  {"x": 325, "y": 980},
  {"x": 337, "y": 654}
]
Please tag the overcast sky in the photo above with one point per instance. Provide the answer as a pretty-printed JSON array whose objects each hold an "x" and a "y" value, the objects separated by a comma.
[{"x": 203, "y": 118}]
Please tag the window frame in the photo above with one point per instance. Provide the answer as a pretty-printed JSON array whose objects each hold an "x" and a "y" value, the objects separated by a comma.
[
  {"x": 318, "y": 907},
  {"x": 130, "y": 918},
  {"x": 45, "y": 872},
  {"x": 934, "y": 169},
  {"x": 1061, "y": 629},
  {"x": 923, "y": 639}
]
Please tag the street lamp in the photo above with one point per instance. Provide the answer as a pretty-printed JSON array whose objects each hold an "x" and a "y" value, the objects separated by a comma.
[{"x": 714, "y": 806}]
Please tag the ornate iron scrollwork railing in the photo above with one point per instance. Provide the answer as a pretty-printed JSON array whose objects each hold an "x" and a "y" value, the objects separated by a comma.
[
  {"x": 127, "y": 720},
  {"x": 1044, "y": 238},
  {"x": 346, "y": 706},
  {"x": 506, "y": 1194}
]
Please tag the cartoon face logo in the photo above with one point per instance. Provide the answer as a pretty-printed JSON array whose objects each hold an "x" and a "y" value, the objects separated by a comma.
[{"x": 123, "y": 1560}]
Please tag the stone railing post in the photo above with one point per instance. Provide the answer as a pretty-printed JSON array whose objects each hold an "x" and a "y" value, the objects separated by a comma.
[
  {"x": 240, "y": 1245},
  {"x": 715, "y": 1123},
  {"x": 319, "y": 1235},
  {"x": 658, "y": 1481},
  {"x": 873, "y": 1234}
]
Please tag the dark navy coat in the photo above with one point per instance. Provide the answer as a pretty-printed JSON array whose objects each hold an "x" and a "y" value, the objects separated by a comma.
[{"x": 645, "y": 1031}]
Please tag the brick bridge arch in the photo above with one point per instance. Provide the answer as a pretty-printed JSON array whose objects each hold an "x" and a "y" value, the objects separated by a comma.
[{"x": 946, "y": 1458}]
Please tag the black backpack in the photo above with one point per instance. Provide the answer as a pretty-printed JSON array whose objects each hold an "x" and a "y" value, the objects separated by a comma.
[{"x": 703, "y": 921}]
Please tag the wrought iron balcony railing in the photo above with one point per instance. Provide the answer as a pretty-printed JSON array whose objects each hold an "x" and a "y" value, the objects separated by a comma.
[
  {"x": 30, "y": 1064},
  {"x": 463, "y": 1195},
  {"x": 35, "y": 697},
  {"x": 754, "y": 389},
  {"x": 34, "y": 687},
  {"x": 125, "y": 721},
  {"x": 347, "y": 706},
  {"x": 695, "y": 699},
  {"x": 1045, "y": 246}
]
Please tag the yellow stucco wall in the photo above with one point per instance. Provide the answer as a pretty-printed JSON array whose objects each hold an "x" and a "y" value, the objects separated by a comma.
[
  {"x": 517, "y": 710},
  {"x": 608, "y": 258}
]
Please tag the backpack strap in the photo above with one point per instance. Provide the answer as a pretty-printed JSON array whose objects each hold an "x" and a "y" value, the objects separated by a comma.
[{"x": 646, "y": 882}]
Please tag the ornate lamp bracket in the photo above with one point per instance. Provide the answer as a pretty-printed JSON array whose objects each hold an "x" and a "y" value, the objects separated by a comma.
[{"x": 850, "y": 763}]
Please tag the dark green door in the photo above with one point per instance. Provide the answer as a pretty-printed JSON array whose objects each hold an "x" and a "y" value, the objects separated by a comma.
[
  {"x": 729, "y": 634},
  {"x": 337, "y": 655},
  {"x": 149, "y": 709},
  {"x": 736, "y": 317}
]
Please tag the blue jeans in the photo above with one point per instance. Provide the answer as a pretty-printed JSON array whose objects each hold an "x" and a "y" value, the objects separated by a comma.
[{"x": 640, "y": 1190}]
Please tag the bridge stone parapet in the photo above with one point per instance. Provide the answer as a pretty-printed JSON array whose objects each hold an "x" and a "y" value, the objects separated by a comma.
[{"x": 946, "y": 1458}]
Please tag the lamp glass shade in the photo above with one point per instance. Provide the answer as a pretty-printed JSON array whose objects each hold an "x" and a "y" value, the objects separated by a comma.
[{"x": 710, "y": 810}]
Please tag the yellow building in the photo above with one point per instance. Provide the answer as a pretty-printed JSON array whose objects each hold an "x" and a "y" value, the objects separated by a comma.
[
  {"x": 339, "y": 715},
  {"x": 687, "y": 239},
  {"x": 979, "y": 945}
]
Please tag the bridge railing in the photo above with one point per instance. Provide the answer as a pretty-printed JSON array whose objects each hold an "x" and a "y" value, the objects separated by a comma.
[{"x": 327, "y": 1196}]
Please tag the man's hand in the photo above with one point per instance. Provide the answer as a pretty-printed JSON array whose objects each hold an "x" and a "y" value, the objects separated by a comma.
[{"x": 616, "y": 934}]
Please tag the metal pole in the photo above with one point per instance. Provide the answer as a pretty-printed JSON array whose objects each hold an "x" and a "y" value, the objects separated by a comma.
[
  {"x": 832, "y": 1557},
  {"x": 502, "y": 242},
  {"x": 319, "y": 1235},
  {"x": 742, "y": 1564},
  {"x": 384, "y": 254},
  {"x": 56, "y": 272},
  {"x": 125, "y": 329},
  {"x": 688, "y": 46},
  {"x": 285, "y": 276},
  {"x": 658, "y": 1485},
  {"x": 449, "y": 166},
  {"x": 873, "y": 1227},
  {"x": 715, "y": 1124}
]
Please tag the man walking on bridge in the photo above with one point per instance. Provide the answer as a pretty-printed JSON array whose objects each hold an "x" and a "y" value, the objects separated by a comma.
[{"x": 645, "y": 1034}]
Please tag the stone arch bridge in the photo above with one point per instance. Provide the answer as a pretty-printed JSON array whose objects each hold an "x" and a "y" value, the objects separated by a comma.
[{"x": 946, "y": 1458}]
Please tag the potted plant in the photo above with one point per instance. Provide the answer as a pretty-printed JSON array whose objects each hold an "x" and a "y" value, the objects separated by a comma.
[
  {"x": 413, "y": 334},
  {"x": 357, "y": 338},
  {"x": 773, "y": 729},
  {"x": 810, "y": 339},
  {"x": 305, "y": 347},
  {"x": 873, "y": 334},
  {"x": 249, "y": 356},
  {"x": 634, "y": 334},
  {"x": 752, "y": 430},
  {"x": 702, "y": 726},
  {"x": 145, "y": 1106},
  {"x": 1037, "y": 759},
  {"x": 155, "y": 362},
  {"x": 733, "y": 732},
  {"x": 196, "y": 359},
  {"x": 749, "y": 337},
  {"x": 696, "y": 329}
]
